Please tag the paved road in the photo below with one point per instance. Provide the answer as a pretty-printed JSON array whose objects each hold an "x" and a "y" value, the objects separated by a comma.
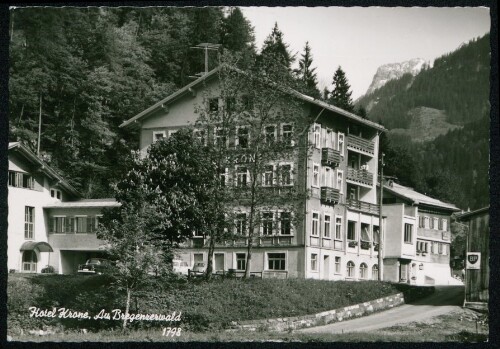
[{"x": 443, "y": 301}]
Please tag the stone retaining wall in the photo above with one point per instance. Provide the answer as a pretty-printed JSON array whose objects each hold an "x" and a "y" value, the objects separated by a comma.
[{"x": 323, "y": 318}]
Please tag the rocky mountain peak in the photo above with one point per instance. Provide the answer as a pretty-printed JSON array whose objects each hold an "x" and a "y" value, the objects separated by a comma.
[{"x": 391, "y": 71}]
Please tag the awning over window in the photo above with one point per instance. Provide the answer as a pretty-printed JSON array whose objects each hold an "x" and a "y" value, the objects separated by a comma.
[{"x": 31, "y": 245}]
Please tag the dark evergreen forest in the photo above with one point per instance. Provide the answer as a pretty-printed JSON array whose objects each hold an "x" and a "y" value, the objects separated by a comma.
[{"x": 86, "y": 70}]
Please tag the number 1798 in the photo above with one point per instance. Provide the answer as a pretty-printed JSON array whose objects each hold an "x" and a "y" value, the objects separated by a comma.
[{"x": 171, "y": 331}]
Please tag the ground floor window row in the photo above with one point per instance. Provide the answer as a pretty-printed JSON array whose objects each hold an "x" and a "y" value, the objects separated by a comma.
[
  {"x": 74, "y": 224},
  {"x": 433, "y": 247},
  {"x": 274, "y": 261},
  {"x": 351, "y": 271}
]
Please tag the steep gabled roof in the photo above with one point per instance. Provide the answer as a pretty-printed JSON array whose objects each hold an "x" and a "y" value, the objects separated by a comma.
[
  {"x": 186, "y": 89},
  {"x": 22, "y": 150},
  {"x": 417, "y": 198}
]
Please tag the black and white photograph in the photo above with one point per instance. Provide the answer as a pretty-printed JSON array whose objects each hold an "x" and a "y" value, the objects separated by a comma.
[{"x": 248, "y": 173}]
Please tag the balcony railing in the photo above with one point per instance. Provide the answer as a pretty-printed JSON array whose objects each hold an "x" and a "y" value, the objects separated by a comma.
[
  {"x": 363, "y": 206},
  {"x": 330, "y": 196},
  {"x": 360, "y": 176},
  {"x": 361, "y": 144},
  {"x": 330, "y": 157}
]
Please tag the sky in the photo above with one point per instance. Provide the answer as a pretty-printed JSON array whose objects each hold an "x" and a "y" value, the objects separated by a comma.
[{"x": 362, "y": 39}]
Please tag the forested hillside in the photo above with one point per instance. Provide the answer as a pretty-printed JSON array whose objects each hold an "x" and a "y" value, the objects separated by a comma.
[
  {"x": 458, "y": 83},
  {"x": 85, "y": 70},
  {"x": 454, "y": 165}
]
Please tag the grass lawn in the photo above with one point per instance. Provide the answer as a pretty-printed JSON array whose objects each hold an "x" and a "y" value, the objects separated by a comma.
[{"x": 205, "y": 306}]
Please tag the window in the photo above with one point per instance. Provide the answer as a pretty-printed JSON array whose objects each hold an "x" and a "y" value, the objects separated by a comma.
[
  {"x": 326, "y": 177},
  {"x": 267, "y": 223},
  {"x": 29, "y": 261},
  {"x": 276, "y": 261},
  {"x": 286, "y": 134},
  {"x": 200, "y": 135},
  {"x": 340, "y": 181},
  {"x": 268, "y": 176},
  {"x": 340, "y": 143},
  {"x": 81, "y": 224},
  {"x": 223, "y": 177},
  {"x": 426, "y": 222},
  {"x": 157, "y": 135},
  {"x": 286, "y": 174},
  {"x": 285, "y": 223},
  {"x": 365, "y": 232},
  {"x": 242, "y": 137},
  {"x": 434, "y": 247},
  {"x": 444, "y": 224},
  {"x": 314, "y": 261},
  {"x": 440, "y": 248},
  {"x": 70, "y": 225},
  {"x": 241, "y": 176},
  {"x": 337, "y": 265},
  {"x": 351, "y": 230},
  {"x": 29, "y": 222},
  {"x": 363, "y": 271},
  {"x": 326, "y": 231},
  {"x": 241, "y": 224},
  {"x": 230, "y": 104},
  {"x": 422, "y": 247},
  {"x": 270, "y": 134},
  {"x": 317, "y": 135},
  {"x": 435, "y": 223},
  {"x": 315, "y": 224},
  {"x": 408, "y": 238},
  {"x": 171, "y": 132},
  {"x": 315, "y": 179},
  {"x": 220, "y": 137},
  {"x": 58, "y": 225},
  {"x": 213, "y": 104},
  {"x": 376, "y": 234},
  {"x": 421, "y": 221},
  {"x": 91, "y": 224},
  {"x": 375, "y": 272},
  {"x": 338, "y": 228},
  {"x": 241, "y": 261},
  {"x": 55, "y": 193},
  {"x": 350, "y": 269},
  {"x": 21, "y": 180},
  {"x": 445, "y": 249}
]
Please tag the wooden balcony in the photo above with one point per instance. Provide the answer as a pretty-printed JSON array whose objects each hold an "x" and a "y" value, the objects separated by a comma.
[
  {"x": 330, "y": 196},
  {"x": 363, "y": 145},
  {"x": 362, "y": 206},
  {"x": 360, "y": 176},
  {"x": 330, "y": 157}
]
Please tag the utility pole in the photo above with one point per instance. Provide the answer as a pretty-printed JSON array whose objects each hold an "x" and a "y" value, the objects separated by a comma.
[{"x": 381, "y": 235}]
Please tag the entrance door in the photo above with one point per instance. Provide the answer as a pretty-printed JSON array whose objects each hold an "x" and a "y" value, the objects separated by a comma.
[
  {"x": 326, "y": 267},
  {"x": 403, "y": 272},
  {"x": 219, "y": 261}
]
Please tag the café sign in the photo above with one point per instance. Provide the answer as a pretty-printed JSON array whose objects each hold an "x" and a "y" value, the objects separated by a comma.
[{"x": 473, "y": 260}]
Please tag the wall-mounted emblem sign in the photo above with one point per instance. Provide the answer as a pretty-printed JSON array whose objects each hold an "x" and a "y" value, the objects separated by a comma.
[{"x": 473, "y": 260}]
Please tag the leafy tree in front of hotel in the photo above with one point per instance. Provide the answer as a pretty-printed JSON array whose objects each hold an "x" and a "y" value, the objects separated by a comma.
[{"x": 257, "y": 127}]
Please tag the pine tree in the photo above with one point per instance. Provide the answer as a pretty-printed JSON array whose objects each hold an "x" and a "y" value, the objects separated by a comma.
[
  {"x": 306, "y": 75},
  {"x": 362, "y": 112},
  {"x": 341, "y": 94},
  {"x": 237, "y": 35},
  {"x": 275, "y": 49}
]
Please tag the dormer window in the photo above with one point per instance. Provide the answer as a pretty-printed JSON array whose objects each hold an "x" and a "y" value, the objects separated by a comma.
[{"x": 56, "y": 193}]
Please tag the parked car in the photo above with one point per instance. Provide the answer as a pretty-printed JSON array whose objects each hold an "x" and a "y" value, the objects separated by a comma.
[
  {"x": 180, "y": 267},
  {"x": 199, "y": 267},
  {"x": 95, "y": 266}
]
